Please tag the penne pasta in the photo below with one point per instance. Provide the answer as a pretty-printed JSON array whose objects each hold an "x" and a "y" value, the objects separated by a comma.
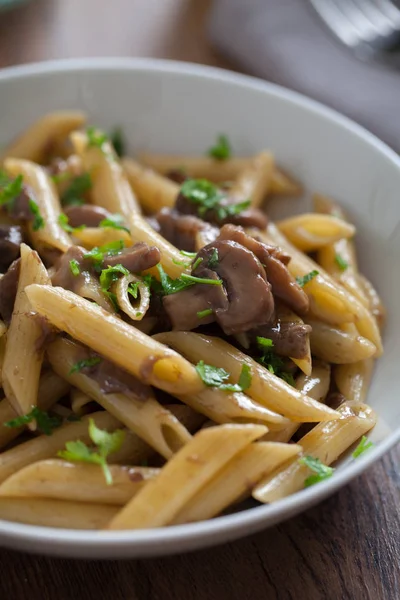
[
  {"x": 315, "y": 386},
  {"x": 110, "y": 187},
  {"x": 310, "y": 232},
  {"x": 23, "y": 355},
  {"x": 266, "y": 389},
  {"x": 51, "y": 237},
  {"x": 139, "y": 412},
  {"x": 283, "y": 185},
  {"x": 153, "y": 190},
  {"x": 45, "y": 446},
  {"x": 184, "y": 476},
  {"x": 76, "y": 482},
  {"x": 326, "y": 442},
  {"x": 110, "y": 336},
  {"x": 56, "y": 513},
  {"x": 121, "y": 289},
  {"x": 79, "y": 401},
  {"x": 254, "y": 181},
  {"x": 236, "y": 480},
  {"x": 89, "y": 237},
  {"x": 2, "y": 353},
  {"x": 35, "y": 142},
  {"x": 353, "y": 380},
  {"x": 51, "y": 389},
  {"x": 334, "y": 345}
]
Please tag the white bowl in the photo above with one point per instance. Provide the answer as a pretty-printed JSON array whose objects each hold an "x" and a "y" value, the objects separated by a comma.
[{"x": 171, "y": 107}]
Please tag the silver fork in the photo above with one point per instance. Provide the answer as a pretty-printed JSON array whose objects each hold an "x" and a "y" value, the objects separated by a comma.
[{"x": 371, "y": 28}]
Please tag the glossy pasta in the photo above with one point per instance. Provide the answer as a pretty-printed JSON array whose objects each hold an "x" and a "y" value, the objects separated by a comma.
[{"x": 166, "y": 351}]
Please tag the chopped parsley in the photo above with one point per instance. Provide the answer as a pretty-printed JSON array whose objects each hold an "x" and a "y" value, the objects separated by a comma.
[
  {"x": 133, "y": 289},
  {"x": 99, "y": 253},
  {"x": 167, "y": 285},
  {"x": 38, "y": 221},
  {"x": 10, "y": 189},
  {"x": 302, "y": 281},
  {"x": 115, "y": 221},
  {"x": 321, "y": 471},
  {"x": 76, "y": 190},
  {"x": 341, "y": 262},
  {"x": 188, "y": 254},
  {"x": 196, "y": 263},
  {"x": 74, "y": 266},
  {"x": 63, "y": 221},
  {"x": 96, "y": 138},
  {"x": 111, "y": 274},
  {"x": 106, "y": 444},
  {"x": 207, "y": 197},
  {"x": 271, "y": 361},
  {"x": 45, "y": 422},
  {"x": 204, "y": 313},
  {"x": 214, "y": 259},
  {"x": 117, "y": 140},
  {"x": 222, "y": 148},
  {"x": 84, "y": 364},
  {"x": 362, "y": 447},
  {"x": 216, "y": 377}
]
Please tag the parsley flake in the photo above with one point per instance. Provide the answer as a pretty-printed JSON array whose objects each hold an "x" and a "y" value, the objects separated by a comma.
[
  {"x": 106, "y": 444},
  {"x": 84, "y": 364},
  {"x": 96, "y": 138},
  {"x": 214, "y": 259},
  {"x": 204, "y": 313},
  {"x": 74, "y": 194},
  {"x": 167, "y": 285},
  {"x": 45, "y": 422},
  {"x": 222, "y": 148},
  {"x": 188, "y": 254},
  {"x": 38, "y": 221},
  {"x": 341, "y": 262},
  {"x": 115, "y": 222},
  {"x": 74, "y": 266},
  {"x": 117, "y": 140},
  {"x": 111, "y": 274},
  {"x": 133, "y": 289},
  {"x": 302, "y": 281},
  {"x": 321, "y": 471},
  {"x": 216, "y": 377},
  {"x": 362, "y": 447},
  {"x": 63, "y": 221},
  {"x": 10, "y": 189},
  {"x": 272, "y": 361},
  {"x": 99, "y": 253}
]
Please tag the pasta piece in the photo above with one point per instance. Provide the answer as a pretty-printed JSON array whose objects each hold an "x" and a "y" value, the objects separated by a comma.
[
  {"x": 328, "y": 301},
  {"x": 35, "y": 142},
  {"x": 326, "y": 442},
  {"x": 24, "y": 350},
  {"x": 236, "y": 480},
  {"x": 124, "y": 299},
  {"x": 153, "y": 190},
  {"x": 143, "y": 415},
  {"x": 88, "y": 287},
  {"x": 315, "y": 386},
  {"x": 79, "y": 402},
  {"x": 2, "y": 353},
  {"x": 51, "y": 236},
  {"x": 265, "y": 389},
  {"x": 254, "y": 181},
  {"x": 191, "y": 419},
  {"x": 56, "y": 513},
  {"x": 309, "y": 232},
  {"x": 374, "y": 301},
  {"x": 334, "y": 345},
  {"x": 45, "y": 446},
  {"x": 286, "y": 315},
  {"x": 110, "y": 336},
  {"x": 353, "y": 380},
  {"x": 184, "y": 476},
  {"x": 100, "y": 236},
  {"x": 76, "y": 482},
  {"x": 283, "y": 185},
  {"x": 51, "y": 389},
  {"x": 110, "y": 187},
  {"x": 171, "y": 258}
]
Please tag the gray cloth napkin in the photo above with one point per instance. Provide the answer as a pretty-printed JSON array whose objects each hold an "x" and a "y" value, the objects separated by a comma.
[{"x": 286, "y": 42}]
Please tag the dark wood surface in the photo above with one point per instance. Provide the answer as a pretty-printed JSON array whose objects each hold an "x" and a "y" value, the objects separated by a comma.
[{"x": 346, "y": 548}]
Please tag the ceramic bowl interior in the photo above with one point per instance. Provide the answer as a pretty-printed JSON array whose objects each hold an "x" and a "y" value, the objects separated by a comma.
[{"x": 171, "y": 107}]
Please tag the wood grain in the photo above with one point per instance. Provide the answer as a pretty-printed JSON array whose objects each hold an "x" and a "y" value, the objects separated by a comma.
[{"x": 346, "y": 548}]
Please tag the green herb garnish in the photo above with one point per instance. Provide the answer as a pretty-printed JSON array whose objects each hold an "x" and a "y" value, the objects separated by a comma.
[
  {"x": 78, "y": 187},
  {"x": 214, "y": 259},
  {"x": 222, "y": 149},
  {"x": 196, "y": 263},
  {"x": 99, "y": 253},
  {"x": 167, "y": 285},
  {"x": 204, "y": 313},
  {"x": 38, "y": 221},
  {"x": 207, "y": 197},
  {"x": 10, "y": 189},
  {"x": 216, "y": 377},
  {"x": 84, "y": 364},
  {"x": 133, "y": 289},
  {"x": 111, "y": 274},
  {"x": 188, "y": 254},
  {"x": 45, "y": 422},
  {"x": 115, "y": 221},
  {"x": 321, "y": 471},
  {"x": 362, "y": 447},
  {"x": 341, "y": 262},
  {"x": 96, "y": 138},
  {"x": 117, "y": 140},
  {"x": 302, "y": 281},
  {"x": 74, "y": 266},
  {"x": 245, "y": 378},
  {"x": 272, "y": 361},
  {"x": 106, "y": 443},
  {"x": 63, "y": 221}
]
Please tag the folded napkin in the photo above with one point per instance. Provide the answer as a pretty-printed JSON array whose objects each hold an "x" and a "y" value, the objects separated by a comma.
[{"x": 286, "y": 42}]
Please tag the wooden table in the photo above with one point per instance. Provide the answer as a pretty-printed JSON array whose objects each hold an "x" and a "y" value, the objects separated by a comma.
[{"x": 346, "y": 548}]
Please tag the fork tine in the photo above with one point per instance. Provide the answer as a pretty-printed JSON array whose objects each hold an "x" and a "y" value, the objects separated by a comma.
[
  {"x": 367, "y": 31},
  {"x": 337, "y": 22},
  {"x": 378, "y": 17}
]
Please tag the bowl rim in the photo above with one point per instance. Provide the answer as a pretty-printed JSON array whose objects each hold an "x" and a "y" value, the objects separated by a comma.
[{"x": 175, "y": 538}]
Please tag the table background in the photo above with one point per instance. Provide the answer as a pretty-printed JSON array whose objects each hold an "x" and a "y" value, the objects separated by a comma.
[{"x": 346, "y": 548}]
